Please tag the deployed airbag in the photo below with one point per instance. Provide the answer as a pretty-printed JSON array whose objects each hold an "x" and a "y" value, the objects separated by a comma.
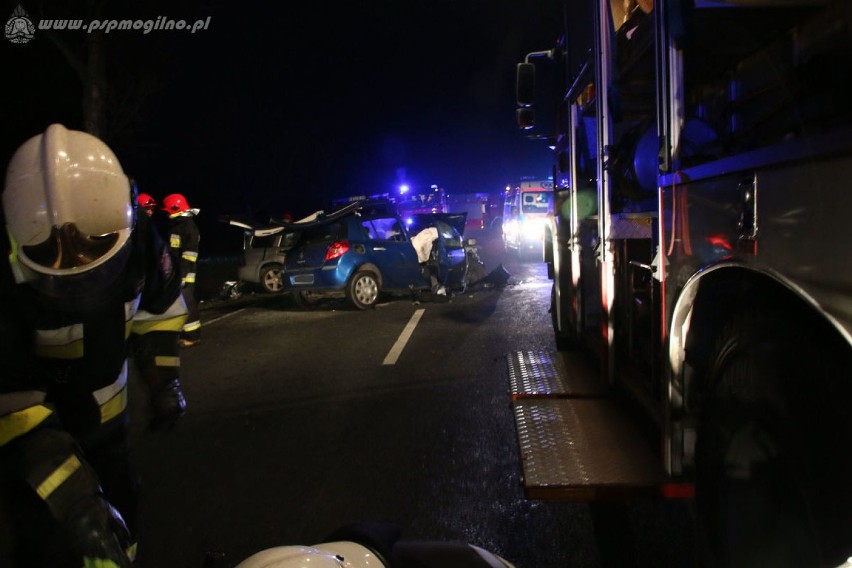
[{"x": 422, "y": 243}]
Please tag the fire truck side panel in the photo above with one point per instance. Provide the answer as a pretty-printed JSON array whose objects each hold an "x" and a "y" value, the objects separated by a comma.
[
  {"x": 804, "y": 199},
  {"x": 786, "y": 276},
  {"x": 711, "y": 276}
]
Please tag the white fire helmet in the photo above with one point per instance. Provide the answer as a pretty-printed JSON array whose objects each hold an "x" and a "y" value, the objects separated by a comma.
[
  {"x": 69, "y": 215},
  {"x": 327, "y": 555}
]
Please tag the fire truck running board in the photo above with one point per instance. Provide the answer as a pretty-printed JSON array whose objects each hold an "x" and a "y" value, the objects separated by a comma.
[
  {"x": 575, "y": 442},
  {"x": 543, "y": 374}
]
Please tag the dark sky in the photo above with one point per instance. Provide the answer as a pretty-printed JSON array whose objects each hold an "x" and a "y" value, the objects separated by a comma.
[{"x": 280, "y": 106}]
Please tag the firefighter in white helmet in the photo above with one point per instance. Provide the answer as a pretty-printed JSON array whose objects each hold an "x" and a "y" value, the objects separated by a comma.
[{"x": 91, "y": 278}]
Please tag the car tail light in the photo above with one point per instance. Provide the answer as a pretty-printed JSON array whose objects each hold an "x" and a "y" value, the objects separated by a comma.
[{"x": 337, "y": 249}]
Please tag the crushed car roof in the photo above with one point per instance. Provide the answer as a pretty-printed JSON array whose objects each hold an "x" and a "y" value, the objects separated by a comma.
[{"x": 319, "y": 218}]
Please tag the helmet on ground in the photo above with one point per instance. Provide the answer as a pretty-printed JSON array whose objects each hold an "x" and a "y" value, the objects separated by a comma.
[
  {"x": 146, "y": 201},
  {"x": 175, "y": 204},
  {"x": 68, "y": 213}
]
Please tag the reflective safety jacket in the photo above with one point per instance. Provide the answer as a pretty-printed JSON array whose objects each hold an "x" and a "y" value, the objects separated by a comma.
[
  {"x": 184, "y": 239},
  {"x": 64, "y": 373},
  {"x": 75, "y": 363}
]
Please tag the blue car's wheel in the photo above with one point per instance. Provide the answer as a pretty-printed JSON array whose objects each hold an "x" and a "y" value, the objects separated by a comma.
[{"x": 363, "y": 290}]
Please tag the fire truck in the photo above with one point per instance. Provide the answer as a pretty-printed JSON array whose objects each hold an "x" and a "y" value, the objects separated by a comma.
[
  {"x": 413, "y": 201},
  {"x": 701, "y": 259}
]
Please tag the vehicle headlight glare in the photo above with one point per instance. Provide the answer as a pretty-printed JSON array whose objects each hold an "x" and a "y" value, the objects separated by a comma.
[{"x": 533, "y": 228}]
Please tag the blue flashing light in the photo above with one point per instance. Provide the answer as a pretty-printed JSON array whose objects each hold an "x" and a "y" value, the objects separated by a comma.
[{"x": 403, "y": 189}]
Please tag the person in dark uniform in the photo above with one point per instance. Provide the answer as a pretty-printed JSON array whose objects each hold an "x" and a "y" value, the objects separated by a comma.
[
  {"x": 184, "y": 238},
  {"x": 87, "y": 277}
]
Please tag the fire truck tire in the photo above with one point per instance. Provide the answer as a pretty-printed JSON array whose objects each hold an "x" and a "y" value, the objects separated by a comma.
[
  {"x": 770, "y": 487},
  {"x": 565, "y": 339}
]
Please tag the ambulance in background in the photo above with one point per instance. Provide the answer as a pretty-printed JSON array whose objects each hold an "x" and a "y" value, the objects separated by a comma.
[{"x": 526, "y": 208}]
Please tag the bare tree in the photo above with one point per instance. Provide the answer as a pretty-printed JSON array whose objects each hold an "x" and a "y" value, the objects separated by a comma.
[{"x": 111, "y": 105}]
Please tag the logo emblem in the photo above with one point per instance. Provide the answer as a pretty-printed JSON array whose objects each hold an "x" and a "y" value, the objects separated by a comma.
[{"x": 19, "y": 27}]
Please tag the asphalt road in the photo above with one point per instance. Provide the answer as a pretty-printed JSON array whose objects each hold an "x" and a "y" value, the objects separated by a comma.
[{"x": 296, "y": 428}]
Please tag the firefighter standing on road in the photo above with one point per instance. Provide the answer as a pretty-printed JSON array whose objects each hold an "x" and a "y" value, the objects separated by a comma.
[
  {"x": 88, "y": 274},
  {"x": 184, "y": 238}
]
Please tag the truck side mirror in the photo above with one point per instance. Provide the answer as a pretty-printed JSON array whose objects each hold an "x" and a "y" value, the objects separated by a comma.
[
  {"x": 525, "y": 86},
  {"x": 525, "y": 118}
]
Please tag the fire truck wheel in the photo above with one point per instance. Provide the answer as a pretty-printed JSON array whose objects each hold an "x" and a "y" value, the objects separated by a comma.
[
  {"x": 767, "y": 469},
  {"x": 565, "y": 339}
]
